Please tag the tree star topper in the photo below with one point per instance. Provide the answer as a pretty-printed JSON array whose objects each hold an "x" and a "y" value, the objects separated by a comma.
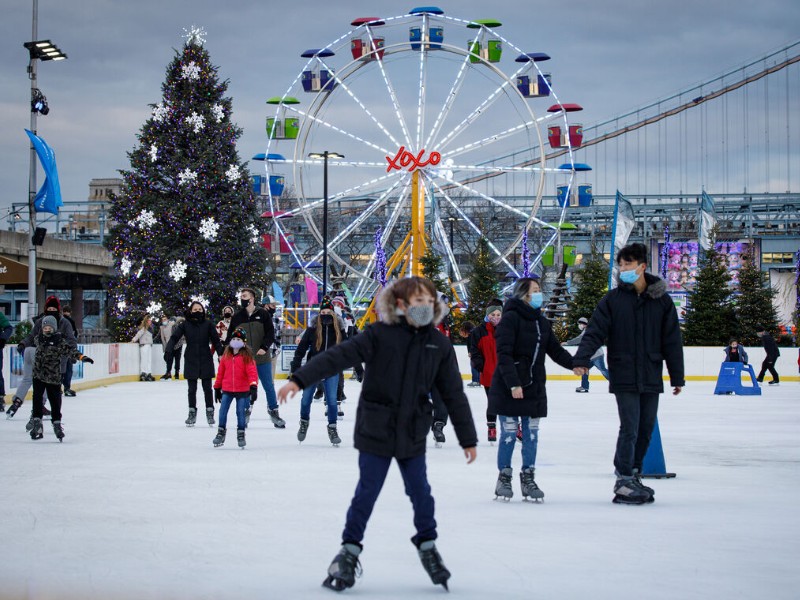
[{"x": 195, "y": 35}]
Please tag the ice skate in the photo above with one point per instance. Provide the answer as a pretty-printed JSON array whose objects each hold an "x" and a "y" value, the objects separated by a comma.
[
  {"x": 339, "y": 411},
  {"x": 432, "y": 562},
  {"x": 344, "y": 569},
  {"x": 58, "y": 429},
  {"x": 240, "y": 438},
  {"x": 13, "y": 408},
  {"x": 219, "y": 439},
  {"x": 69, "y": 393},
  {"x": 301, "y": 433},
  {"x": 192, "y": 418},
  {"x": 142, "y": 377},
  {"x": 333, "y": 435},
  {"x": 165, "y": 377},
  {"x": 492, "y": 432},
  {"x": 37, "y": 431},
  {"x": 582, "y": 390},
  {"x": 438, "y": 433},
  {"x": 627, "y": 491},
  {"x": 149, "y": 377},
  {"x": 29, "y": 424},
  {"x": 210, "y": 416},
  {"x": 503, "y": 491},
  {"x": 277, "y": 422},
  {"x": 530, "y": 491},
  {"x": 638, "y": 477}
]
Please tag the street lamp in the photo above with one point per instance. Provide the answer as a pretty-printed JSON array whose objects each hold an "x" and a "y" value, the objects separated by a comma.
[
  {"x": 452, "y": 221},
  {"x": 37, "y": 50},
  {"x": 324, "y": 156}
]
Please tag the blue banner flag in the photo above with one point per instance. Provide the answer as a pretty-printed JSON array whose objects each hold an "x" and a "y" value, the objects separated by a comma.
[
  {"x": 278, "y": 293},
  {"x": 624, "y": 223},
  {"x": 48, "y": 199}
]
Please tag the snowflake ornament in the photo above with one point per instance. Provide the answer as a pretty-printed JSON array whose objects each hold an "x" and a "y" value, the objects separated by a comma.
[
  {"x": 187, "y": 176},
  {"x": 197, "y": 122},
  {"x": 160, "y": 112},
  {"x": 254, "y": 235},
  {"x": 177, "y": 270},
  {"x": 218, "y": 112},
  {"x": 233, "y": 173},
  {"x": 139, "y": 272},
  {"x": 153, "y": 153},
  {"x": 121, "y": 305},
  {"x": 125, "y": 266},
  {"x": 209, "y": 228},
  {"x": 201, "y": 299},
  {"x": 153, "y": 308},
  {"x": 195, "y": 35},
  {"x": 190, "y": 71},
  {"x": 145, "y": 219}
]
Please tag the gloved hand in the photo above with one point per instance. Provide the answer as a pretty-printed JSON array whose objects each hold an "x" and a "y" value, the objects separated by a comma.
[
  {"x": 21, "y": 348},
  {"x": 218, "y": 395},
  {"x": 86, "y": 359},
  {"x": 253, "y": 393}
]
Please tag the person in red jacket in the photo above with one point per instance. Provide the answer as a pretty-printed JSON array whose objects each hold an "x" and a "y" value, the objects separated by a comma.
[
  {"x": 483, "y": 358},
  {"x": 236, "y": 378}
]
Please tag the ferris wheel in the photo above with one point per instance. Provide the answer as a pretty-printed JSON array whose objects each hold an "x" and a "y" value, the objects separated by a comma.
[{"x": 412, "y": 121}]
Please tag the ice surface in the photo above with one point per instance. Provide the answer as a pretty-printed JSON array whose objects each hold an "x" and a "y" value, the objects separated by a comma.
[{"x": 134, "y": 505}]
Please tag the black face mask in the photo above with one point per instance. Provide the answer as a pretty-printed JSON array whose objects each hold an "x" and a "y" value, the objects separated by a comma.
[
  {"x": 227, "y": 315},
  {"x": 326, "y": 319},
  {"x": 244, "y": 303},
  {"x": 196, "y": 316}
]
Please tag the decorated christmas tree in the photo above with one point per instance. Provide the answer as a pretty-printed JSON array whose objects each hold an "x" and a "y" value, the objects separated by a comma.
[
  {"x": 592, "y": 285},
  {"x": 187, "y": 225},
  {"x": 710, "y": 319},
  {"x": 431, "y": 263},
  {"x": 754, "y": 307},
  {"x": 482, "y": 285}
]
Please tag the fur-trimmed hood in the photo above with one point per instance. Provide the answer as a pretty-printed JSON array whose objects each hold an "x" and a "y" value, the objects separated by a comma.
[
  {"x": 386, "y": 305},
  {"x": 656, "y": 287}
]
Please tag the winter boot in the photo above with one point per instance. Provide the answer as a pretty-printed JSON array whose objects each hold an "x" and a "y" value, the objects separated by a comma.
[
  {"x": 276, "y": 418},
  {"x": 247, "y": 412},
  {"x": 58, "y": 430},
  {"x": 530, "y": 491},
  {"x": 192, "y": 418},
  {"x": 344, "y": 569},
  {"x": 333, "y": 435},
  {"x": 627, "y": 491},
  {"x": 301, "y": 433},
  {"x": 638, "y": 477},
  {"x": 432, "y": 562},
  {"x": 492, "y": 427},
  {"x": 37, "y": 432},
  {"x": 210, "y": 416},
  {"x": 240, "y": 438},
  {"x": 2, "y": 404},
  {"x": 503, "y": 488},
  {"x": 12, "y": 410},
  {"x": 219, "y": 440},
  {"x": 438, "y": 433}
]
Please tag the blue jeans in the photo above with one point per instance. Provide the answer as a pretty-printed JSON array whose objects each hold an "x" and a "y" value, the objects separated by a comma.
[
  {"x": 476, "y": 375},
  {"x": 265, "y": 376},
  {"x": 372, "y": 474},
  {"x": 600, "y": 363},
  {"x": 637, "y": 417},
  {"x": 508, "y": 439},
  {"x": 242, "y": 403},
  {"x": 330, "y": 384}
]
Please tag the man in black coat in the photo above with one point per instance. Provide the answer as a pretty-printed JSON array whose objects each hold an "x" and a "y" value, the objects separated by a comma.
[
  {"x": 772, "y": 356},
  {"x": 638, "y": 323}
]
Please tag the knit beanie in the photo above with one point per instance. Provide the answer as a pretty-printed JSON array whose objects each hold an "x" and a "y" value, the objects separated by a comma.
[
  {"x": 49, "y": 321},
  {"x": 491, "y": 309},
  {"x": 326, "y": 304},
  {"x": 239, "y": 334}
]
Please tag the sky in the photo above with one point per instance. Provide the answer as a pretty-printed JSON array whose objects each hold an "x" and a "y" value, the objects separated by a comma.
[{"x": 609, "y": 56}]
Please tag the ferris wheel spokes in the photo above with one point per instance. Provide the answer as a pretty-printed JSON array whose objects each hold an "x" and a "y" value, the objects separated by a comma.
[
  {"x": 423, "y": 57},
  {"x": 324, "y": 123},
  {"x": 496, "y": 137},
  {"x": 439, "y": 228},
  {"x": 393, "y": 96},
  {"x": 448, "y": 104}
]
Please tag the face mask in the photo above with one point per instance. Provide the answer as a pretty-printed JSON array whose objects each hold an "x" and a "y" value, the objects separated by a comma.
[
  {"x": 494, "y": 320},
  {"x": 227, "y": 315},
  {"x": 327, "y": 319},
  {"x": 164, "y": 322},
  {"x": 629, "y": 276},
  {"x": 236, "y": 344},
  {"x": 421, "y": 314},
  {"x": 337, "y": 310},
  {"x": 244, "y": 303},
  {"x": 196, "y": 316},
  {"x": 537, "y": 299}
]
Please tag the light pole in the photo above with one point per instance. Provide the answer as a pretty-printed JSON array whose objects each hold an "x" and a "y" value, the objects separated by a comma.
[
  {"x": 452, "y": 221},
  {"x": 37, "y": 50},
  {"x": 324, "y": 156}
]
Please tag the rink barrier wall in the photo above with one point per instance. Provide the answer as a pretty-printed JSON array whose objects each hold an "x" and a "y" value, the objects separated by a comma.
[{"x": 116, "y": 363}]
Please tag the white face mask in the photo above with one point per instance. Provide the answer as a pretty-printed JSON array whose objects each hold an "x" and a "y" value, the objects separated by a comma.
[{"x": 236, "y": 344}]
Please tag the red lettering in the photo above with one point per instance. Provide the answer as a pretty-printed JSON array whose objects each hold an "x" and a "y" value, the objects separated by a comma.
[{"x": 404, "y": 158}]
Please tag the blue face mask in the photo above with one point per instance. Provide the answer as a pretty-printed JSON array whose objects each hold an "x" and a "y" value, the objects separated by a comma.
[
  {"x": 629, "y": 276},
  {"x": 537, "y": 299}
]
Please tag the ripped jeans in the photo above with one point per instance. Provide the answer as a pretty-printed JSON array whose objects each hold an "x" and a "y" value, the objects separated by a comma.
[{"x": 507, "y": 439}]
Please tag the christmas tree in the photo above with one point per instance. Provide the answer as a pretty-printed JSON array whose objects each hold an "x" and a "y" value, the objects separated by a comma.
[
  {"x": 754, "y": 305},
  {"x": 592, "y": 284},
  {"x": 187, "y": 225},
  {"x": 431, "y": 263},
  {"x": 710, "y": 319},
  {"x": 482, "y": 286}
]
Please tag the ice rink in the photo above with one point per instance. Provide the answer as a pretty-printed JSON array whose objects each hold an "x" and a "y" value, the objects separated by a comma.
[{"x": 135, "y": 505}]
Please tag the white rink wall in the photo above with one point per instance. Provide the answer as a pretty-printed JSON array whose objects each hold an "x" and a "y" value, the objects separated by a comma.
[{"x": 120, "y": 362}]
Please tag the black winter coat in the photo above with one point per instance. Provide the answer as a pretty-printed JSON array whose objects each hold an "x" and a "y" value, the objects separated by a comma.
[
  {"x": 197, "y": 361},
  {"x": 770, "y": 347},
  {"x": 523, "y": 337},
  {"x": 308, "y": 343},
  {"x": 402, "y": 365},
  {"x": 641, "y": 332}
]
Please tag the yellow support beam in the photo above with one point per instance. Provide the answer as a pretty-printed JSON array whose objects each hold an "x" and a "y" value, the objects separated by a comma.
[{"x": 417, "y": 223}]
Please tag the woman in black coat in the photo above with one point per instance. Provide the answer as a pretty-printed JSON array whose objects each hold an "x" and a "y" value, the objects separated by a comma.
[
  {"x": 518, "y": 393},
  {"x": 200, "y": 335}
]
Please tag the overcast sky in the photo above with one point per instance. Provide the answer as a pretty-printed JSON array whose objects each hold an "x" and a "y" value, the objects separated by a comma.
[{"x": 608, "y": 55}]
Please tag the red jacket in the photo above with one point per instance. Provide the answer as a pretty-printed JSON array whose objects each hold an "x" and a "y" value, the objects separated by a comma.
[
  {"x": 483, "y": 352},
  {"x": 234, "y": 375}
]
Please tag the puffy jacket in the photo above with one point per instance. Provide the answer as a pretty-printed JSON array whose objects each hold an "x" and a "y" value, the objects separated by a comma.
[
  {"x": 641, "y": 332},
  {"x": 402, "y": 365},
  {"x": 198, "y": 363},
  {"x": 523, "y": 337},
  {"x": 308, "y": 343},
  {"x": 259, "y": 329},
  {"x": 236, "y": 374},
  {"x": 50, "y": 350},
  {"x": 483, "y": 352},
  {"x": 737, "y": 354}
]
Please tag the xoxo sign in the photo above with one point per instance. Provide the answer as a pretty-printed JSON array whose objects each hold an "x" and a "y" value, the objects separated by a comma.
[{"x": 404, "y": 158}]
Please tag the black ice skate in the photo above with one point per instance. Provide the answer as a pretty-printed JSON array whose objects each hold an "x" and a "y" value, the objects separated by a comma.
[
  {"x": 628, "y": 491},
  {"x": 192, "y": 418},
  {"x": 219, "y": 439},
  {"x": 12, "y": 410},
  {"x": 438, "y": 433},
  {"x": 333, "y": 435},
  {"x": 37, "y": 432},
  {"x": 503, "y": 491},
  {"x": 638, "y": 477},
  {"x": 142, "y": 377},
  {"x": 432, "y": 562},
  {"x": 58, "y": 430},
  {"x": 29, "y": 424},
  {"x": 530, "y": 491},
  {"x": 344, "y": 569},
  {"x": 301, "y": 433},
  {"x": 210, "y": 416},
  {"x": 240, "y": 438},
  {"x": 277, "y": 422},
  {"x": 165, "y": 377}
]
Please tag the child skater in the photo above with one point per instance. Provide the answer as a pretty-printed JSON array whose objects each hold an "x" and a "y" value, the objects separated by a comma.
[
  {"x": 405, "y": 358},
  {"x": 236, "y": 378},
  {"x": 323, "y": 333},
  {"x": 51, "y": 347}
]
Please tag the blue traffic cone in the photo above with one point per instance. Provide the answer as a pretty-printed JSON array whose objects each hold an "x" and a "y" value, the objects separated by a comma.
[{"x": 653, "y": 464}]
